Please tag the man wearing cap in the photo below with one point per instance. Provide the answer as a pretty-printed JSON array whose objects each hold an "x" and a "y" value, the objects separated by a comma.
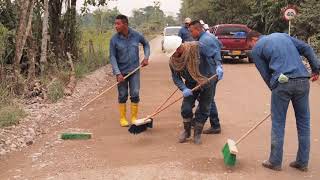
[
  {"x": 184, "y": 32},
  {"x": 209, "y": 63},
  {"x": 278, "y": 59}
]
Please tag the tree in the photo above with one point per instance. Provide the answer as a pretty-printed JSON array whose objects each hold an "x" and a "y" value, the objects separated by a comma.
[
  {"x": 307, "y": 23},
  {"x": 25, "y": 19},
  {"x": 45, "y": 36}
]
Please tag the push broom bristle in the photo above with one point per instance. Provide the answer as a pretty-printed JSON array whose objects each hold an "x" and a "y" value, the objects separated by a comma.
[
  {"x": 140, "y": 127},
  {"x": 75, "y": 135},
  {"x": 229, "y": 152}
]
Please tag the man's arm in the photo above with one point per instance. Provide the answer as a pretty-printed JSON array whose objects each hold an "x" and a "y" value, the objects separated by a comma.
[
  {"x": 307, "y": 51},
  {"x": 146, "y": 46},
  {"x": 177, "y": 80},
  {"x": 262, "y": 66},
  {"x": 180, "y": 34},
  {"x": 112, "y": 56},
  {"x": 211, "y": 49}
]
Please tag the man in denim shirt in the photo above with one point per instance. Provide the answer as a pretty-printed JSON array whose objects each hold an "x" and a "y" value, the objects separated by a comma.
[
  {"x": 184, "y": 32},
  {"x": 277, "y": 57},
  {"x": 124, "y": 58},
  {"x": 210, "y": 64}
]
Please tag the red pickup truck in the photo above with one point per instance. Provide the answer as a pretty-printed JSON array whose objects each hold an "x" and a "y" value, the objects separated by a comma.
[{"x": 234, "y": 40}]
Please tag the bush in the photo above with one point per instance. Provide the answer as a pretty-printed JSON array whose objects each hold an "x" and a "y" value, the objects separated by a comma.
[
  {"x": 5, "y": 97},
  {"x": 10, "y": 115},
  {"x": 55, "y": 90}
]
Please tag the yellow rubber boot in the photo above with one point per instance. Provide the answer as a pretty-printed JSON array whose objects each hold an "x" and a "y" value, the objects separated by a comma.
[
  {"x": 134, "y": 112},
  {"x": 123, "y": 113}
]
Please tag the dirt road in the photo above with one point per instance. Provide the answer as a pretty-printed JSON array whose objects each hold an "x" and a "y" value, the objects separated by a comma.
[{"x": 113, "y": 153}]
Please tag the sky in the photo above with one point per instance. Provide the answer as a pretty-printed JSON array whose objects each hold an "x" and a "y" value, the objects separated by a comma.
[{"x": 170, "y": 7}]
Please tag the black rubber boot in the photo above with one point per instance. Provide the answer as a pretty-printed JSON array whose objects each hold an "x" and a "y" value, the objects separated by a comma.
[
  {"x": 186, "y": 132},
  {"x": 197, "y": 132},
  {"x": 212, "y": 130}
]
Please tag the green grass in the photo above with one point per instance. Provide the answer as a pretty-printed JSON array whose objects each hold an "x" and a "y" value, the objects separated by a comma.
[
  {"x": 91, "y": 61},
  {"x": 10, "y": 115},
  {"x": 55, "y": 91}
]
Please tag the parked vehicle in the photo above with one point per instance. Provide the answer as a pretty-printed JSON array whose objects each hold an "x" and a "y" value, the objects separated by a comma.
[
  {"x": 168, "y": 32},
  {"x": 234, "y": 40}
]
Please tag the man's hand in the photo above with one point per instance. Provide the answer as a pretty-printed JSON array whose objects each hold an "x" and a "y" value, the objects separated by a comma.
[
  {"x": 314, "y": 77},
  {"x": 120, "y": 78},
  {"x": 187, "y": 92},
  {"x": 145, "y": 62},
  {"x": 219, "y": 72}
]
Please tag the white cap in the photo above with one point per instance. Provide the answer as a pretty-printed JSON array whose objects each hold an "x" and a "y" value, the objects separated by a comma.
[
  {"x": 201, "y": 22},
  {"x": 206, "y": 26},
  {"x": 187, "y": 20},
  {"x": 170, "y": 44}
]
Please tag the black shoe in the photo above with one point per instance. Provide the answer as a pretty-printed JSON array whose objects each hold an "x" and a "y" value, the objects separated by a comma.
[
  {"x": 197, "y": 133},
  {"x": 187, "y": 131},
  {"x": 296, "y": 165},
  {"x": 267, "y": 164},
  {"x": 212, "y": 130}
]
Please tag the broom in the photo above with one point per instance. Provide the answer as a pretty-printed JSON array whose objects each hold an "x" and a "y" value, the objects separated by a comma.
[
  {"x": 230, "y": 149},
  {"x": 142, "y": 125},
  {"x": 93, "y": 99}
]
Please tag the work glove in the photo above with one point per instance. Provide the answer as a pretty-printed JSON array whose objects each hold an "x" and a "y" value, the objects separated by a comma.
[
  {"x": 187, "y": 92},
  {"x": 219, "y": 72}
]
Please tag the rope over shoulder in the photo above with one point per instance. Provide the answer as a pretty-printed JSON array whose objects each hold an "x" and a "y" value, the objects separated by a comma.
[{"x": 190, "y": 60}]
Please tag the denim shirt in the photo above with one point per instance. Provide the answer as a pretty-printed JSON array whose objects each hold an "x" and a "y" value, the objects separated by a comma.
[
  {"x": 279, "y": 53},
  {"x": 210, "y": 56},
  {"x": 185, "y": 34},
  {"x": 124, "y": 52}
]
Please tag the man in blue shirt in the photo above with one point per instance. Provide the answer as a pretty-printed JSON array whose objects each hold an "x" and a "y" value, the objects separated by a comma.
[
  {"x": 184, "y": 32},
  {"x": 210, "y": 64},
  {"x": 124, "y": 58},
  {"x": 278, "y": 59}
]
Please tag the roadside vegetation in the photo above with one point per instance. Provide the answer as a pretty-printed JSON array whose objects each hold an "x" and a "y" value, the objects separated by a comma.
[{"x": 46, "y": 45}]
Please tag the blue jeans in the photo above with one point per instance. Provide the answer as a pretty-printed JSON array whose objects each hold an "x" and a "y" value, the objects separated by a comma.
[
  {"x": 296, "y": 91},
  {"x": 204, "y": 96},
  {"x": 214, "y": 116},
  {"x": 133, "y": 82}
]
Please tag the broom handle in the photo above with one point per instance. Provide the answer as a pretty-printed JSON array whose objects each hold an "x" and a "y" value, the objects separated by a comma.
[
  {"x": 135, "y": 70},
  {"x": 166, "y": 107},
  {"x": 252, "y": 129},
  {"x": 150, "y": 116},
  {"x": 166, "y": 100}
]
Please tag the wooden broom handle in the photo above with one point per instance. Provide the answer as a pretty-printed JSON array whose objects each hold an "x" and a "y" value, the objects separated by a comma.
[
  {"x": 166, "y": 107},
  {"x": 166, "y": 100},
  {"x": 93, "y": 99},
  {"x": 252, "y": 129}
]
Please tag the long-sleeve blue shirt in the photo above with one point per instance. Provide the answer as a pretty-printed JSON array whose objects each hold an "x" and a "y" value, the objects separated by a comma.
[
  {"x": 124, "y": 52},
  {"x": 279, "y": 53},
  {"x": 185, "y": 34},
  {"x": 210, "y": 57}
]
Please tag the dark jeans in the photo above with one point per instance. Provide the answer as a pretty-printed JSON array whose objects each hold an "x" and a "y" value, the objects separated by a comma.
[
  {"x": 204, "y": 96},
  {"x": 133, "y": 83},
  {"x": 214, "y": 116},
  {"x": 296, "y": 91}
]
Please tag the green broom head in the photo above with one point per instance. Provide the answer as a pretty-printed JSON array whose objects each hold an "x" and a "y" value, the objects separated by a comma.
[
  {"x": 229, "y": 152},
  {"x": 76, "y": 136},
  {"x": 141, "y": 125}
]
